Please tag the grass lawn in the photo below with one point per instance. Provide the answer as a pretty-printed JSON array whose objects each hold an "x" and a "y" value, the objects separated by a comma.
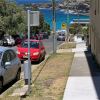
[
  {"x": 68, "y": 45},
  {"x": 49, "y": 79}
]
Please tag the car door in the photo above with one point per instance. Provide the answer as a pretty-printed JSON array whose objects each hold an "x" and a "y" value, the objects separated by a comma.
[
  {"x": 42, "y": 49},
  {"x": 14, "y": 63},
  {"x": 7, "y": 70}
]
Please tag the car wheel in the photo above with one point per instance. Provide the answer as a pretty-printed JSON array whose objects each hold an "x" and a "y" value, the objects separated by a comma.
[
  {"x": 1, "y": 85},
  {"x": 39, "y": 60},
  {"x": 18, "y": 75},
  {"x": 43, "y": 57},
  {"x": 22, "y": 61}
]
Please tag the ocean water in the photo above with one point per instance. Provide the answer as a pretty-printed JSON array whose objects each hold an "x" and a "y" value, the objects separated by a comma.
[
  {"x": 35, "y": 1},
  {"x": 61, "y": 17}
]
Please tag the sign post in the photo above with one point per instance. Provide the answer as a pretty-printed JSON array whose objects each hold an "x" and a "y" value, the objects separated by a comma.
[
  {"x": 54, "y": 25},
  {"x": 68, "y": 19},
  {"x": 32, "y": 20}
]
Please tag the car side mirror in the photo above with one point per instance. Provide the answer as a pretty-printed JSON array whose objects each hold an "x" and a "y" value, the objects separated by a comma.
[{"x": 7, "y": 63}]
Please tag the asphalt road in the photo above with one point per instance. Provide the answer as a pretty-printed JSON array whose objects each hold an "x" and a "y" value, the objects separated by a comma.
[{"x": 48, "y": 43}]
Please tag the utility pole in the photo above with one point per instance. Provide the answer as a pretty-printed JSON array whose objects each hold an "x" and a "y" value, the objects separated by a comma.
[
  {"x": 54, "y": 25},
  {"x": 78, "y": 16},
  {"x": 68, "y": 17},
  {"x": 67, "y": 4}
]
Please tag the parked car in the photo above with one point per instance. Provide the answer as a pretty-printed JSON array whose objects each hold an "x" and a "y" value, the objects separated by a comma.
[
  {"x": 8, "y": 40},
  {"x": 35, "y": 37},
  {"x": 37, "y": 50},
  {"x": 40, "y": 35},
  {"x": 4, "y": 42},
  {"x": 17, "y": 39},
  {"x": 10, "y": 66},
  {"x": 61, "y": 37},
  {"x": 45, "y": 35}
]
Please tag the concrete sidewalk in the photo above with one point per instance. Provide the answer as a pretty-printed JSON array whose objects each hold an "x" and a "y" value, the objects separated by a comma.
[{"x": 84, "y": 78}]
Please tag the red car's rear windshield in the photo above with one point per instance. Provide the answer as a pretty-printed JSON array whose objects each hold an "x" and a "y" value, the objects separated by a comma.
[{"x": 32, "y": 44}]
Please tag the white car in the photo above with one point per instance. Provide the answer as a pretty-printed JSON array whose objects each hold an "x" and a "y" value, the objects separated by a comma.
[
  {"x": 10, "y": 66},
  {"x": 10, "y": 41}
]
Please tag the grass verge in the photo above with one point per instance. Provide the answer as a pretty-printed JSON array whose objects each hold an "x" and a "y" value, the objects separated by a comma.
[
  {"x": 68, "y": 45},
  {"x": 49, "y": 79}
]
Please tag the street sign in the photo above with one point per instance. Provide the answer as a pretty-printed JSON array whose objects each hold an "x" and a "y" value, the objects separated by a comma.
[
  {"x": 64, "y": 26},
  {"x": 34, "y": 18}
]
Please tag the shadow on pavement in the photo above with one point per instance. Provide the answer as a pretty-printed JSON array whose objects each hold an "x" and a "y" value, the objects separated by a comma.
[
  {"x": 95, "y": 71},
  {"x": 8, "y": 86}
]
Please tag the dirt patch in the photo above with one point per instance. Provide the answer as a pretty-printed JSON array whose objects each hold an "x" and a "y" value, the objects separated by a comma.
[{"x": 57, "y": 85}]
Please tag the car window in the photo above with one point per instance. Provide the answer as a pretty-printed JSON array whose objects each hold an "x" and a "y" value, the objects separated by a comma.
[
  {"x": 12, "y": 54},
  {"x": 24, "y": 44},
  {"x": 61, "y": 34},
  {"x": 32, "y": 44},
  {"x": 6, "y": 57}
]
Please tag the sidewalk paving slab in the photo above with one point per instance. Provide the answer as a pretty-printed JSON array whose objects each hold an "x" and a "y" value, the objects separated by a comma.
[
  {"x": 80, "y": 88},
  {"x": 84, "y": 78}
]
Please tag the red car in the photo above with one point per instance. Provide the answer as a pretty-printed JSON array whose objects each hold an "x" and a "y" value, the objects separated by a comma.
[{"x": 37, "y": 50}]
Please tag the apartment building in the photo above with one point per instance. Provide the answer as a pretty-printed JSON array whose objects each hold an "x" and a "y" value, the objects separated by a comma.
[{"x": 95, "y": 28}]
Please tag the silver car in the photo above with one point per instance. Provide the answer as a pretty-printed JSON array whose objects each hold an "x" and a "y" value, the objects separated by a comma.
[
  {"x": 10, "y": 66},
  {"x": 61, "y": 37}
]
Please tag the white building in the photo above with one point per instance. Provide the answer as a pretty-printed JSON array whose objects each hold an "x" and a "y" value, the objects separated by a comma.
[{"x": 95, "y": 28}]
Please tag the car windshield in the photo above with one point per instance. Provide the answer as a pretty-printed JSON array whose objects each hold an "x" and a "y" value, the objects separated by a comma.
[
  {"x": 32, "y": 44},
  {"x": 0, "y": 54},
  {"x": 61, "y": 34}
]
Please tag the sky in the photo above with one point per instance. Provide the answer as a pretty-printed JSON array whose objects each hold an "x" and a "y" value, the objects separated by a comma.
[{"x": 34, "y": 1}]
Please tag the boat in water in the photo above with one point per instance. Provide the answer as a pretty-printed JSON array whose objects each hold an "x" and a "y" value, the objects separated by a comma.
[
  {"x": 70, "y": 12},
  {"x": 62, "y": 10}
]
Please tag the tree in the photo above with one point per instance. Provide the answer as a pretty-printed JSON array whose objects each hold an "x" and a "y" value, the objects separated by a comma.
[
  {"x": 12, "y": 18},
  {"x": 44, "y": 26}
]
